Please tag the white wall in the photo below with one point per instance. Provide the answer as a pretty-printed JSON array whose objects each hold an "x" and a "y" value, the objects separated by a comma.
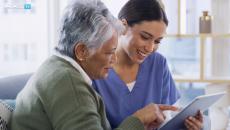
[
  {"x": 219, "y": 111},
  {"x": 23, "y": 36}
]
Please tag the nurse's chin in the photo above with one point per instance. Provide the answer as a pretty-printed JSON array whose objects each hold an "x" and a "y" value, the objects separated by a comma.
[{"x": 139, "y": 61}]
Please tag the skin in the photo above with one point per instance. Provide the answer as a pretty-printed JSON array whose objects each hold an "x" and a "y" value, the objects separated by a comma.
[
  {"x": 98, "y": 64},
  {"x": 194, "y": 123},
  {"x": 152, "y": 115},
  {"x": 137, "y": 43}
]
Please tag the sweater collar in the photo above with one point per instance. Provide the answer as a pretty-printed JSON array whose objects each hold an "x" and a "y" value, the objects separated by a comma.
[{"x": 75, "y": 65}]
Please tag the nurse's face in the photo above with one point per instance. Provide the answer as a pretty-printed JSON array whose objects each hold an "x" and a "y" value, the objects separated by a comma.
[
  {"x": 98, "y": 64},
  {"x": 142, "y": 39}
]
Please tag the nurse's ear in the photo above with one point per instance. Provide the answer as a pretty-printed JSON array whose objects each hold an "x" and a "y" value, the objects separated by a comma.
[{"x": 125, "y": 23}]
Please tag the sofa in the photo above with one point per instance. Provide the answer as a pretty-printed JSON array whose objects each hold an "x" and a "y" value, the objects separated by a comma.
[{"x": 9, "y": 88}]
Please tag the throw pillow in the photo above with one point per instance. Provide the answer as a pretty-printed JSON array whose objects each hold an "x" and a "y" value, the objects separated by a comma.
[{"x": 5, "y": 114}]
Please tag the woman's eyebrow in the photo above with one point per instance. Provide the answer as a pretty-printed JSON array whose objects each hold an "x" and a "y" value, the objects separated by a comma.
[
  {"x": 147, "y": 33},
  {"x": 160, "y": 38}
]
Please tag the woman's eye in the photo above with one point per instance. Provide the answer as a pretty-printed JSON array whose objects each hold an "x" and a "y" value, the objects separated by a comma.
[
  {"x": 108, "y": 53},
  {"x": 157, "y": 42},
  {"x": 144, "y": 37}
]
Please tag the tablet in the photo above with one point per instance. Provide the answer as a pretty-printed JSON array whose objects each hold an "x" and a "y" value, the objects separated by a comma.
[{"x": 201, "y": 103}]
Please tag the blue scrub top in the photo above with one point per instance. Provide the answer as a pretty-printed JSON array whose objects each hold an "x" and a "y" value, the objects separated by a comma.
[{"x": 154, "y": 84}]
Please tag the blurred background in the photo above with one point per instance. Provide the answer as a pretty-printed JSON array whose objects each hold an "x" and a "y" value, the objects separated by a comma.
[{"x": 199, "y": 62}]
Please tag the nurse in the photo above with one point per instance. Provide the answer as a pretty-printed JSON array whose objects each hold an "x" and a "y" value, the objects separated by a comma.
[{"x": 141, "y": 75}]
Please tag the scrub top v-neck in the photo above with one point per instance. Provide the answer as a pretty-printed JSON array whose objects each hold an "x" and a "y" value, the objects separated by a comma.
[{"x": 154, "y": 84}]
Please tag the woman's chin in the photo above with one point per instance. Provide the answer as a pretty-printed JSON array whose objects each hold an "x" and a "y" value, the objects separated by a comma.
[{"x": 139, "y": 61}]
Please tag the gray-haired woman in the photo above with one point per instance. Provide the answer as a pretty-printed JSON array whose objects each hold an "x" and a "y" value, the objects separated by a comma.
[{"x": 59, "y": 95}]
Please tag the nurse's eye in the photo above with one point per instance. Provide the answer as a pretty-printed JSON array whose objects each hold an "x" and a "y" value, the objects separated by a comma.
[
  {"x": 157, "y": 41},
  {"x": 144, "y": 37}
]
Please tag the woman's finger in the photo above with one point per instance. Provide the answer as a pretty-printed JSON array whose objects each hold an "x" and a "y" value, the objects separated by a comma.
[
  {"x": 199, "y": 116},
  {"x": 196, "y": 124}
]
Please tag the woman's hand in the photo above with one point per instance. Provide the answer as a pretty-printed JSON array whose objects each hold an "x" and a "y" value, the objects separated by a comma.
[
  {"x": 194, "y": 123},
  {"x": 156, "y": 124},
  {"x": 152, "y": 115}
]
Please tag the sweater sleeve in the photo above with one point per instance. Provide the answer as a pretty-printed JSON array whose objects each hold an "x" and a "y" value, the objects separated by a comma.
[{"x": 131, "y": 123}]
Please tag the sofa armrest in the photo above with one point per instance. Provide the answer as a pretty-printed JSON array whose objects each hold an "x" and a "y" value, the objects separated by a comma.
[{"x": 10, "y": 86}]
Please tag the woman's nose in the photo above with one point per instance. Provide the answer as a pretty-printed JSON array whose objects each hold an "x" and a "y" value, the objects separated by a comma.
[
  {"x": 150, "y": 47},
  {"x": 113, "y": 58}
]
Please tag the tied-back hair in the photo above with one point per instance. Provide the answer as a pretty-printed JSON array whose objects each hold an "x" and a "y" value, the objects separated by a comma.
[
  {"x": 88, "y": 22},
  {"x": 137, "y": 11}
]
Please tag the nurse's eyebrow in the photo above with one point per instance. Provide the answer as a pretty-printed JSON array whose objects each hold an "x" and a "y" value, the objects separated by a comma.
[
  {"x": 150, "y": 35},
  {"x": 147, "y": 33}
]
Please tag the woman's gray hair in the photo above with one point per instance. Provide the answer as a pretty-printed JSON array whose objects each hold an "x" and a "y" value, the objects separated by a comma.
[{"x": 88, "y": 22}]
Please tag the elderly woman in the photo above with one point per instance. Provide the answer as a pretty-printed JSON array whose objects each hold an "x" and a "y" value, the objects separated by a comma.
[{"x": 59, "y": 95}]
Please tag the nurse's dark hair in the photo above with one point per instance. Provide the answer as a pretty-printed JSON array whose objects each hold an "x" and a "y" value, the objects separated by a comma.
[{"x": 137, "y": 11}]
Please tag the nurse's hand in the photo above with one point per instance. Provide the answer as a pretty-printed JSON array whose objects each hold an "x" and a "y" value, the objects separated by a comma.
[
  {"x": 152, "y": 115},
  {"x": 194, "y": 123}
]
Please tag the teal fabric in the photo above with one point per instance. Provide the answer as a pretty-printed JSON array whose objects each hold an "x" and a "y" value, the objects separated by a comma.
[
  {"x": 10, "y": 102},
  {"x": 57, "y": 98}
]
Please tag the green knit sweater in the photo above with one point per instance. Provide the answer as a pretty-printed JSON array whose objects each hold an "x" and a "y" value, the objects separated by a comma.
[{"x": 58, "y": 98}]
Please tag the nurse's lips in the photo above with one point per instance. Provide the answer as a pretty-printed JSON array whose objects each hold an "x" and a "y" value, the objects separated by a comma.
[{"x": 142, "y": 54}]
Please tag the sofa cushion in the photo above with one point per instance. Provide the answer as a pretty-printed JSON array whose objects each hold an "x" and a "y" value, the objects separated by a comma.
[
  {"x": 5, "y": 114},
  {"x": 10, "y": 86}
]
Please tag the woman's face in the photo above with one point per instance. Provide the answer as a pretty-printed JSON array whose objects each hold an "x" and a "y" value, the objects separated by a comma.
[
  {"x": 98, "y": 64},
  {"x": 142, "y": 39}
]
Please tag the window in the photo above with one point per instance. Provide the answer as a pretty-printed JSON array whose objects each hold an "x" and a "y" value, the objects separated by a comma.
[
  {"x": 193, "y": 56},
  {"x": 24, "y": 37}
]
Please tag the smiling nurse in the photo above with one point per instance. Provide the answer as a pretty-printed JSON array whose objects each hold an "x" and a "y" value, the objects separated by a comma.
[{"x": 141, "y": 75}]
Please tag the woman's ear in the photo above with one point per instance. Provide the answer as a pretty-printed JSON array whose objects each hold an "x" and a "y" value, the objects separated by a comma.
[
  {"x": 125, "y": 23},
  {"x": 81, "y": 52}
]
